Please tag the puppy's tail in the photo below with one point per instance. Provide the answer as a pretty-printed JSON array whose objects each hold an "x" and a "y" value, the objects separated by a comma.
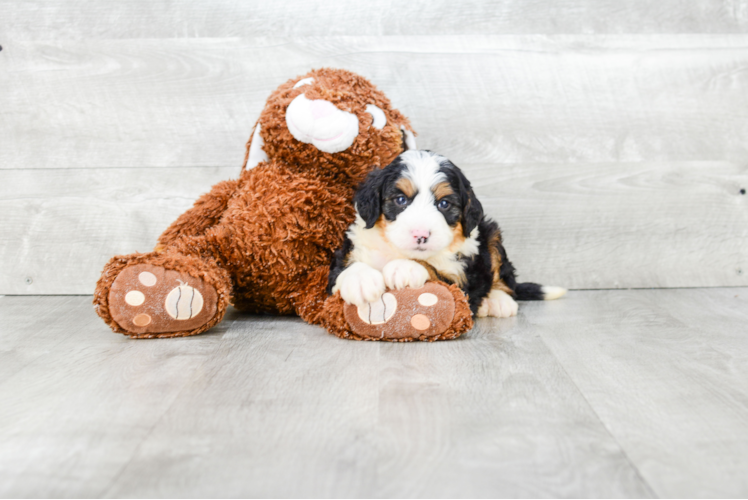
[{"x": 533, "y": 291}]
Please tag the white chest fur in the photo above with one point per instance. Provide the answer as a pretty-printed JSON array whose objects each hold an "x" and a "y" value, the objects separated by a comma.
[{"x": 372, "y": 248}]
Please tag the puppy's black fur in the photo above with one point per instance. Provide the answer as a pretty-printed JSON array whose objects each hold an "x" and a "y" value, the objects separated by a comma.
[
  {"x": 472, "y": 210},
  {"x": 375, "y": 198}
]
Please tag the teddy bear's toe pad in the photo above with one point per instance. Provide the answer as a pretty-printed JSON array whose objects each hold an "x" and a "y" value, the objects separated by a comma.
[
  {"x": 150, "y": 299},
  {"x": 410, "y": 313}
]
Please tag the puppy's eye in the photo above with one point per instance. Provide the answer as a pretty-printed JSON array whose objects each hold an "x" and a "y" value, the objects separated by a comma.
[
  {"x": 443, "y": 204},
  {"x": 400, "y": 200}
]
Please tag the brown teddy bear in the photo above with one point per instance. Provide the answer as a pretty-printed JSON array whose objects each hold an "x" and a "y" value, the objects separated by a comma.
[{"x": 264, "y": 242}]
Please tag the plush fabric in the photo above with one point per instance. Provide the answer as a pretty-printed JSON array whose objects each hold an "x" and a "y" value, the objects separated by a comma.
[{"x": 334, "y": 319}]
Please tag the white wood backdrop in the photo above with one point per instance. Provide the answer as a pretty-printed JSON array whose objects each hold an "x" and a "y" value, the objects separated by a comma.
[{"x": 609, "y": 139}]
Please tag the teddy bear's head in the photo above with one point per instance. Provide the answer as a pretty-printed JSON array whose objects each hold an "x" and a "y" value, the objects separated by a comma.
[{"x": 331, "y": 122}]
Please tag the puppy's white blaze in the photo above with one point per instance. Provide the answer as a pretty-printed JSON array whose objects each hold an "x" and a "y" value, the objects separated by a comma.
[
  {"x": 320, "y": 123},
  {"x": 552, "y": 292},
  {"x": 423, "y": 169}
]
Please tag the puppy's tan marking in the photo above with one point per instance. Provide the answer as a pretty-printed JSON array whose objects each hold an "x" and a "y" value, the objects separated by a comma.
[
  {"x": 493, "y": 247},
  {"x": 406, "y": 186},
  {"x": 436, "y": 275},
  {"x": 441, "y": 190},
  {"x": 381, "y": 225},
  {"x": 458, "y": 238}
]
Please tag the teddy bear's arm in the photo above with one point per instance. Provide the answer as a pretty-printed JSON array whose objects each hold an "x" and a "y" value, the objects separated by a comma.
[{"x": 204, "y": 214}]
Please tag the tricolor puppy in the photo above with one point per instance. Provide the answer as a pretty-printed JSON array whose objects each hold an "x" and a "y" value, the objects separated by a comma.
[{"x": 418, "y": 219}]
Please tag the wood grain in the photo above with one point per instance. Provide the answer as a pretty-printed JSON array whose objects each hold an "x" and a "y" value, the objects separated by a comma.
[
  {"x": 492, "y": 415},
  {"x": 667, "y": 373},
  {"x": 506, "y": 99},
  {"x": 627, "y": 393},
  {"x": 573, "y": 225},
  {"x": 81, "y": 399},
  {"x": 283, "y": 410},
  {"x": 273, "y": 407},
  {"x": 87, "y": 19}
]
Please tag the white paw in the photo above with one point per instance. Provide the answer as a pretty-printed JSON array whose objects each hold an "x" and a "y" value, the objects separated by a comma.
[
  {"x": 498, "y": 304},
  {"x": 360, "y": 284},
  {"x": 402, "y": 273}
]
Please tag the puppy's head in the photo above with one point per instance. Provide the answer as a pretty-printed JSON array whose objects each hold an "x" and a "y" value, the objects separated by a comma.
[{"x": 421, "y": 202}]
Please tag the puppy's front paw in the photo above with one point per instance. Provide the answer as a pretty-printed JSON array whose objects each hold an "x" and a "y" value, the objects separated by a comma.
[
  {"x": 402, "y": 273},
  {"x": 360, "y": 284},
  {"x": 498, "y": 304}
]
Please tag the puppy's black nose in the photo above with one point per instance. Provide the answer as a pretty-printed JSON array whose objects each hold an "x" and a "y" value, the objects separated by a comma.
[{"x": 422, "y": 240}]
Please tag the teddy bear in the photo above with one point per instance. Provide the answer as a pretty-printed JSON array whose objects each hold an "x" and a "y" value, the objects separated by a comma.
[{"x": 264, "y": 242}]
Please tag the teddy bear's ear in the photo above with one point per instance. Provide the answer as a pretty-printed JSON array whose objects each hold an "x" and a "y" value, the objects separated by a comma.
[
  {"x": 409, "y": 139},
  {"x": 255, "y": 154}
]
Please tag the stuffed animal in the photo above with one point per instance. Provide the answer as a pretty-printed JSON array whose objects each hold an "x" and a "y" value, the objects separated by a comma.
[{"x": 264, "y": 242}]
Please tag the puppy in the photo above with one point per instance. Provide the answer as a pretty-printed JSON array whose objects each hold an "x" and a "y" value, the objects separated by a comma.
[{"x": 417, "y": 220}]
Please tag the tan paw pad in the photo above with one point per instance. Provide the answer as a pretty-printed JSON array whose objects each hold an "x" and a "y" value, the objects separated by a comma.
[
  {"x": 147, "y": 279},
  {"x": 428, "y": 299},
  {"x": 141, "y": 320},
  {"x": 134, "y": 298},
  {"x": 420, "y": 322}
]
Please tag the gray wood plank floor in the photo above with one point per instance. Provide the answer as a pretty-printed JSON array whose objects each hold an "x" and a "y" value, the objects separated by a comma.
[{"x": 637, "y": 393}]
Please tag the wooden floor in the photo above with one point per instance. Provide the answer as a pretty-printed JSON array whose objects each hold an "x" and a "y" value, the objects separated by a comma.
[{"x": 635, "y": 393}]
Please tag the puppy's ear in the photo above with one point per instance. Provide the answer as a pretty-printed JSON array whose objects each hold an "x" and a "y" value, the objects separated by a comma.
[
  {"x": 368, "y": 198},
  {"x": 472, "y": 213},
  {"x": 472, "y": 210}
]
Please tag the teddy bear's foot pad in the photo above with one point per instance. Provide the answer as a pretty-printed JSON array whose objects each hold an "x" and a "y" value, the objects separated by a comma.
[
  {"x": 407, "y": 314},
  {"x": 150, "y": 299}
]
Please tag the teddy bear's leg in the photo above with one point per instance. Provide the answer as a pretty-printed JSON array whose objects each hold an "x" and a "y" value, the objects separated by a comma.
[
  {"x": 310, "y": 296},
  {"x": 162, "y": 294},
  {"x": 436, "y": 311},
  {"x": 204, "y": 214}
]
